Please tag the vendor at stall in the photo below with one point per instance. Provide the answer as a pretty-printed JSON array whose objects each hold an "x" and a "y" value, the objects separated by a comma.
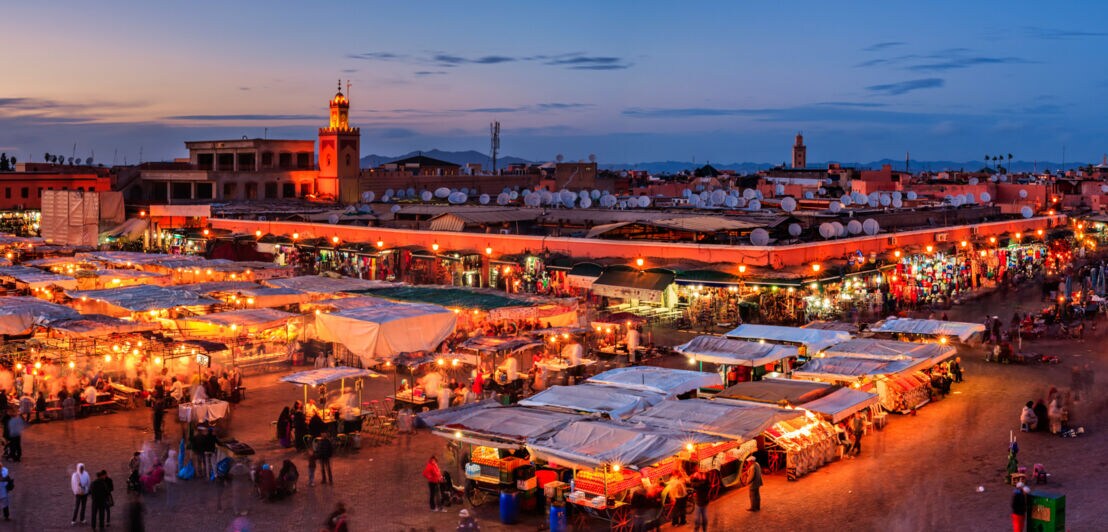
[
  {"x": 633, "y": 339},
  {"x": 431, "y": 384},
  {"x": 347, "y": 407}
]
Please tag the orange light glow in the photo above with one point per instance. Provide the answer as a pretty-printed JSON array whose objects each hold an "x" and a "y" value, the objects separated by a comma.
[
  {"x": 816, "y": 267},
  {"x": 639, "y": 262},
  {"x": 335, "y": 239}
]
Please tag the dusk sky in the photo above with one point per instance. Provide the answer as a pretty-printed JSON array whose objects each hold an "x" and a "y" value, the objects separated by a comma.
[{"x": 629, "y": 81}]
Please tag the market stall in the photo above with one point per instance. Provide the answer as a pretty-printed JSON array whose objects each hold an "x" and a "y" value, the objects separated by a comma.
[
  {"x": 928, "y": 353},
  {"x": 383, "y": 331},
  {"x": 900, "y": 384},
  {"x": 812, "y": 340},
  {"x": 934, "y": 330},
  {"x": 800, "y": 445},
  {"x": 343, "y": 405},
  {"x": 783, "y": 392},
  {"x": 738, "y": 360},
  {"x": 34, "y": 279},
  {"x": 256, "y": 336},
  {"x": 18, "y": 314},
  {"x": 145, "y": 301},
  {"x": 600, "y": 400},
  {"x": 666, "y": 381},
  {"x": 505, "y": 359},
  {"x": 842, "y": 403}
]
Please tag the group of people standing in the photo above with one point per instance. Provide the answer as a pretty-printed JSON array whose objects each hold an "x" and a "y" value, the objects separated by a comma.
[{"x": 98, "y": 490}]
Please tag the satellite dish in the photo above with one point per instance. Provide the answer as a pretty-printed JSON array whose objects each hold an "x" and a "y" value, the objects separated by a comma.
[
  {"x": 1023, "y": 194},
  {"x": 885, "y": 200},
  {"x": 569, "y": 204},
  {"x": 367, "y": 196},
  {"x": 840, "y": 229},
  {"x": 779, "y": 189},
  {"x": 694, "y": 200},
  {"x": 740, "y": 203},
  {"x": 547, "y": 197},
  {"x": 426, "y": 195},
  {"x": 532, "y": 200},
  {"x": 870, "y": 226},
  {"x": 835, "y": 207},
  {"x": 595, "y": 194},
  {"x": 826, "y": 230},
  {"x": 718, "y": 196},
  {"x": 503, "y": 199},
  {"x": 644, "y": 202},
  {"x": 704, "y": 195},
  {"x": 440, "y": 193},
  {"x": 333, "y": 219},
  {"x": 986, "y": 197},
  {"x": 1003, "y": 178},
  {"x": 731, "y": 202},
  {"x": 686, "y": 193},
  {"x": 483, "y": 199},
  {"x": 788, "y": 204},
  {"x": 585, "y": 203},
  {"x": 401, "y": 194},
  {"x": 873, "y": 202},
  {"x": 390, "y": 192},
  {"x": 365, "y": 209},
  {"x": 970, "y": 198},
  {"x": 607, "y": 201},
  {"x": 992, "y": 179},
  {"x": 559, "y": 157},
  {"x": 394, "y": 209},
  {"x": 734, "y": 193},
  {"x": 457, "y": 198},
  {"x": 859, "y": 198},
  {"x": 898, "y": 195},
  {"x": 961, "y": 199},
  {"x": 749, "y": 194},
  {"x": 592, "y": 157},
  {"x": 754, "y": 205},
  {"x": 911, "y": 195},
  {"x": 822, "y": 191},
  {"x": 622, "y": 204},
  {"x": 513, "y": 195},
  {"x": 898, "y": 203},
  {"x": 567, "y": 197},
  {"x": 973, "y": 181},
  {"x": 854, "y": 227},
  {"x": 759, "y": 237},
  {"x": 386, "y": 198},
  {"x": 808, "y": 194},
  {"x": 846, "y": 200},
  {"x": 1026, "y": 211},
  {"x": 795, "y": 230},
  {"x": 583, "y": 194},
  {"x": 464, "y": 190},
  {"x": 1104, "y": 189},
  {"x": 411, "y": 192}
]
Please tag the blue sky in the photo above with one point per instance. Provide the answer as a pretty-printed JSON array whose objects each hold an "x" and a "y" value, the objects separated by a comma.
[{"x": 628, "y": 81}]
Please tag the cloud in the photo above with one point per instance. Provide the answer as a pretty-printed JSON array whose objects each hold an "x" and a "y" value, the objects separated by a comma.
[
  {"x": 425, "y": 73},
  {"x": 242, "y": 117},
  {"x": 377, "y": 56},
  {"x": 244, "y": 88},
  {"x": 1057, "y": 34},
  {"x": 560, "y": 105},
  {"x": 819, "y": 112},
  {"x": 966, "y": 62},
  {"x": 571, "y": 61},
  {"x": 684, "y": 112},
  {"x": 876, "y": 47},
  {"x": 904, "y": 87},
  {"x": 852, "y": 104}
]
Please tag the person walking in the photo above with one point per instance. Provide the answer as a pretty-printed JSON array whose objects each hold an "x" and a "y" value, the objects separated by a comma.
[
  {"x": 701, "y": 496},
  {"x": 101, "y": 493},
  {"x": 336, "y": 522},
  {"x": 240, "y": 487},
  {"x": 956, "y": 369},
  {"x": 755, "y": 485},
  {"x": 311, "y": 467},
  {"x": 1021, "y": 499},
  {"x": 677, "y": 491},
  {"x": 7, "y": 484},
  {"x": 159, "y": 418},
  {"x": 433, "y": 474},
  {"x": 324, "y": 452},
  {"x": 79, "y": 482},
  {"x": 858, "y": 428},
  {"x": 15, "y": 428}
]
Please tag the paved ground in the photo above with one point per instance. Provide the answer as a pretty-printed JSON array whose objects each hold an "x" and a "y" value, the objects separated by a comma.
[{"x": 921, "y": 473}]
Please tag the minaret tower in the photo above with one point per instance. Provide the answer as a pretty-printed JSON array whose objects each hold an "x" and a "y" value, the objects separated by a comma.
[
  {"x": 800, "y": 152},
  {"x": 339, "y": 154}
]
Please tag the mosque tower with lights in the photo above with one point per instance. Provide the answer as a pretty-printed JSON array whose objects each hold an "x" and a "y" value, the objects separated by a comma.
[{"x": 339, "y": 154}]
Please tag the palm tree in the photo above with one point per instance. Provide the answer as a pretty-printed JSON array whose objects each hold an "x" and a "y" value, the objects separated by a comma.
[
  {"x": 1009, "y": 159},
  {"x": 986, "y": 160},
  {"x": 46, "y": 157}
]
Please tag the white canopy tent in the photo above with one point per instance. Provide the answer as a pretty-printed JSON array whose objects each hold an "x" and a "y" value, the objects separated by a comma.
[
  {"x": 596, "y": 443},
  {"x": 34, "y": 278},
  {"x": 256, "y": 319},
  {"x": 722, "y": 350},
  {"x": 503, "y": 427},
  {"x": 842, "y": 403},
  {"x": 591, "y": 398},
  {"x": 142, "y": 298},
  {"x": 19, "y": 314},
  {"x": 852, "y": 368},
  {"x": 323, "y": 284},
  {"x": 381, "y": 332},
  {"x": 814, "y": 340},
  {"x": 892, "y": 350},
  {"x": 731, "y": 420},
  {"x": 666, "y": 381},
  {"x": 961, "y": 330},
  {"x": 316, "y": 377}
]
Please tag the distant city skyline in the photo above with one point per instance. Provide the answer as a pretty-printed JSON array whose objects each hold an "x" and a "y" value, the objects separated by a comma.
[{"x": 629, "y": 81}]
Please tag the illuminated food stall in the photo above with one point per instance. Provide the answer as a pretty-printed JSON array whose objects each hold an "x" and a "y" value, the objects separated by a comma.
[
  {"x": 899, "y": 382},
  {"x": 595, "y": 399},
  {"x": 666, "y": 381},
  {"x": 928, "y": 330},
  {"x": 738, "y": 360},
  {"x": 811, "y": 341}
]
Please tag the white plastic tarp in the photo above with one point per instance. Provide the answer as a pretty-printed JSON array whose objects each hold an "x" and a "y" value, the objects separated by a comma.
[
  {"x": 315, "y": 377},
  {"x": 722, "y": 350},
  {"x": 590, "y": 444},
  {"x": 854, "y": 368},
  {"x": 347, "y": 303},
  {"x": 815, "y": 340},
  {"x": 383, "y": 331},
  {"x": 18, "y": 314},
  {"x": 274, "y": 297},
  {"x": 595, "y": 399},
  {"x": 251, "y": 318},
  {"x": 840, "y": 404},
  {"x": 99, "y": 325},
  {"x": 734, "y": 421},
  {"x": 141, "y": 298},
  {"x": 322, "y": 284},
  {"x": 502, "y": 426},
  {"x": 654, "y": 379},
  {"x": 892, "y": 350},
  {"x": 33, "y": 278},
  {"x": 957, "y": 329}
]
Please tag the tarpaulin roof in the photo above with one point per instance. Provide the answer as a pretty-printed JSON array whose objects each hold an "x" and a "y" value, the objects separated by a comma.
[
  {"x": 95, "y": 325},
  {"x": 632, "y": 284},
  {"x": 322, "y": 284},
  {"x": 595, "y": 399},
  {"x": 840, "y": 404},
  {"x": 654, "y": 379},
  {"x": 274, "y": 297},
  {"x": 778, "y": 391},
  {"x": 450, "y": 297},
  {"x": 18, "y": 314},
  {"x": 501, "y": 426},
  {"x": 961, "y": 330},
  {"x": 816, "y": 340},
  {"x": 255, "y": 318},
  {"x": 144, "y": 297},
  {"x": 892, "y": 349},
  {"x": 593, "y": 443},
  {"x": 347, "y": 303},
  {"x": 315, "y": 377},
  {"x": 127, "y": 258},
  {"x": 381, "y": 332},
  {"x": 733, "y": 421},
  {"x": 722, "y": 350},
  {"x": 210, "y": 287},
  {"x": 851, "y": 367},
  {"x": 499, "y": 344},
  {"x": 36, "y": 278}
]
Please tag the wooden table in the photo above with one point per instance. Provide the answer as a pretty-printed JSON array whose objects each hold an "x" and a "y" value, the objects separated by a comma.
[{"x": 417, "y": 403}]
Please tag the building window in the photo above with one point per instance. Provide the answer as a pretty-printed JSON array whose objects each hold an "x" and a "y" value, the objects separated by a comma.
[
  {"x": 303, "y": 160},
  {"x": 204, "y": 161},
  {"x": 203, "y": 191},
  {"x": 284, "y": 160},
  {"x": 230, "y": 191},
  {"x": 246, "y": 162},
  {"x": 305, "y": 189},
  {"x": 180, "y": 190},
  {"x": 39, "y": 192},
  {"x": 267, "y": 159},
  {"x": 226, "y": 162},
  {"x": 8, "y": 193},
  {"x": 271, "y": 190},
  {"x": 25, "y": 192},
  {"x": 288, "y": 190}
]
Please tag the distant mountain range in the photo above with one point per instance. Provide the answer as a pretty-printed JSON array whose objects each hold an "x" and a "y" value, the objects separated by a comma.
[{"x": 672, "y": 167}]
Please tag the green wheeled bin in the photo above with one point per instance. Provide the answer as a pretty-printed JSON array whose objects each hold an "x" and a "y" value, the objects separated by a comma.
[{"x": 1048, "y": 512}]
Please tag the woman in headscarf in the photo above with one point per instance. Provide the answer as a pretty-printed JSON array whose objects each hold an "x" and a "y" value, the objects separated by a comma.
[{"x": 284, "y": 428}]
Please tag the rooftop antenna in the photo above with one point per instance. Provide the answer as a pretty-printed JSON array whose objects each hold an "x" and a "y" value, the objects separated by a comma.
[
  {"x": 907, "y": 158},
  {"x": 74, "y": 154},
  {"x": 494, "y": 130}
]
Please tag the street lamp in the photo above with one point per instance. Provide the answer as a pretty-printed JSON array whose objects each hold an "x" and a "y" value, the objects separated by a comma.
[
  {"x": 488, "y": 250},
  {"x": 930, "y": 248},
  {"x": 435, "y": 246},
  {"x": 896, "y": 253},
  {"x": 742, "y": 269},
  {"x": 639, "y": 262},
  {"x": 815, "y": 267},
  {"x": 335, "y": 239}
]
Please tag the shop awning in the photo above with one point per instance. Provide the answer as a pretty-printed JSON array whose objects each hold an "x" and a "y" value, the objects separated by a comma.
[
  {"x": 99, "y": 325},
  {"x": 251, "y": 318},
  {"x": 666, "y": 381},
  {"x": 594, "y": 443},
  {"x": 776, "y": 391},
  {"x": 892, "y": 350},
  {"x": 842, "y": 403},
  {"x": 963, "y": 331},
  {"x": 34, "y": 278},
  {"x": 19, "y": 314},
  {"x": 494, "y": 425},
  {"x": 722, "y": 350},
  {"x": 583, "y": 275},
  {"x": 815, "y": 340},
  {"x": 640, "y": 285},
  {"x": 274, "y": 297},
  {"x": 383, "y": 331},
  {"x": 323, "y": 284},
  {"x": 617, "y": 403},
  {"x": 733, "y": 421},
  {"x": 707, "y": 278},
  {"x": 315, "y": 377}
]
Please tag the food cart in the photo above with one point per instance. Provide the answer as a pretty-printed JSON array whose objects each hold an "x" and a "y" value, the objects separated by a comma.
[
  {"x": 801, "y": 444},
  {"x": 502, "y": 356},
  {"x": 610, "y": 333},
  {"x": 595, "y": 399},
  {"x": 320, "y": 378},
  {"x": 899, "y": 382},
  {"x": 810, "y": 341}
]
